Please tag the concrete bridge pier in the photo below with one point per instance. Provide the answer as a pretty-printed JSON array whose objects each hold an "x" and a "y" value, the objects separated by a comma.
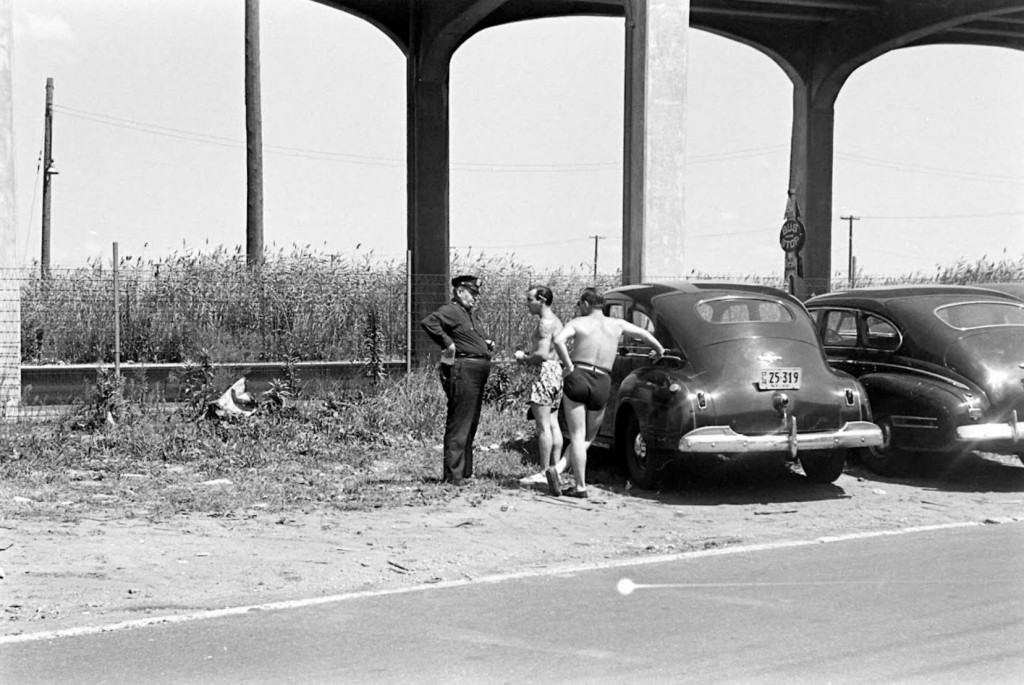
[
  {"x": 10, "y": 277},
  {"x": 427, "y": 188},
  {"x": 654, "y": 154},
  {"x": 433, "y": 32},
  {"x": 810, "y": 174}
]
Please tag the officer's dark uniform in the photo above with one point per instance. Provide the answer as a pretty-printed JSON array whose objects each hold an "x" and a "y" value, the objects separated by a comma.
[{"x": 463, "y": 379}]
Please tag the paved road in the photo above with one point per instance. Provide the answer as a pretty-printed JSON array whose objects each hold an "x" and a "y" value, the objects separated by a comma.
[{"x": 929, "y": 607}]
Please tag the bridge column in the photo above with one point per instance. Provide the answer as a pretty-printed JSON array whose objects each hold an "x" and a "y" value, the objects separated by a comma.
[
  {"x": 810, "y": 174},
  {"x": 10, "y": 276},
  {"x": 654, "y": 155},
  {"x": 427, "y": 187}
]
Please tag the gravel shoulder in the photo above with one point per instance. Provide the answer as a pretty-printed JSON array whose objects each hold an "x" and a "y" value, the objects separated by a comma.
[{"x": 96, "y": 571}]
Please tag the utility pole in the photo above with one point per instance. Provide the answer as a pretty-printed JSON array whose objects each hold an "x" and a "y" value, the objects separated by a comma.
[
  {"x": 253, "y": 138},
  {"x": 596, "y": 238},
  {"x": 851, "y": 268},
  {"x": 44, "y": 256}
]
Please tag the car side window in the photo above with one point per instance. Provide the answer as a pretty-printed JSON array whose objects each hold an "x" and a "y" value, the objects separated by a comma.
[
  {"x": 616, "y": 311},
  {"x": 840, "y": 329},
  {"x": 643, "y": 321},
  {"x": 882, "y": 335},
  {"x": 631, "y": 344}
]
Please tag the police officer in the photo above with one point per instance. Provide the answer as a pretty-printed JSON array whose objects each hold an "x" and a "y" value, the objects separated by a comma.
[{"x": 464, "y": 368}]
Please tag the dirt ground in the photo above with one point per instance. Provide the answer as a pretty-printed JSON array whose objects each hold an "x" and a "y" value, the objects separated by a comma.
[{"x": 94, "y": 571}]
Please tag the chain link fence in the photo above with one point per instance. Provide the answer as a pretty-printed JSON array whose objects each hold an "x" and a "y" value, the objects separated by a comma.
[{"x": 304, "y": 308}]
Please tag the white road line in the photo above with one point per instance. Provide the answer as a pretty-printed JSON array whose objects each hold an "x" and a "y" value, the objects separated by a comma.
[{"x": 498, "y": 578}]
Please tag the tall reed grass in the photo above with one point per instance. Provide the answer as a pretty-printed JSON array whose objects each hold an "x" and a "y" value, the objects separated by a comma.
[{"x": 306, "y": 305}]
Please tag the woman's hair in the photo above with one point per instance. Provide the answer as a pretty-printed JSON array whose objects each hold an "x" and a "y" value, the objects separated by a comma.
[{"x": 543, "y": 293}]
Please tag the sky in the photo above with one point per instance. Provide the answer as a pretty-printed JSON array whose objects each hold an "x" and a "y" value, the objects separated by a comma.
[{"x": 149, "y": 141}]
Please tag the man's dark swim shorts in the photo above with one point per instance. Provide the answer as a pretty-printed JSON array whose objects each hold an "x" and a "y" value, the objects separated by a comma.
[{"x": 588, "y": 387}]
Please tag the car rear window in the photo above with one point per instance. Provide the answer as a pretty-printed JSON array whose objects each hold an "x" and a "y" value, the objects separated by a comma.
[
  {"x": 967, "y": 315},
  {"x": 743, "y": 310}
]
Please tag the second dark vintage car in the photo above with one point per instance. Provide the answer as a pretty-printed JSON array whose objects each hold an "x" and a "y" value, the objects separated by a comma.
[
  {"x": 744, "y": 374},
  {"x": 942, "y": 365}
]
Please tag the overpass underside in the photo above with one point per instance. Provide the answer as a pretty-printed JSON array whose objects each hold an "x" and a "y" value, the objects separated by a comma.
[{"x": 817, "y": 43}]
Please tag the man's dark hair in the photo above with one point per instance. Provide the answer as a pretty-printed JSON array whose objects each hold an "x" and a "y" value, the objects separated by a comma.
[
  {"x": 592, "y": 298},
  {"x": 543, "y": 293}
]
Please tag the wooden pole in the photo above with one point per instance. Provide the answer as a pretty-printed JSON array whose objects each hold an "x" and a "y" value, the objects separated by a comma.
[
  {"x": 253, "y": 137},
  {"x": 44, "y": 254}
]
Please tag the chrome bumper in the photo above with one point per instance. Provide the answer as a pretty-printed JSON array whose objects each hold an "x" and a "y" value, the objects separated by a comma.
[
  {"x": 1012, "y": 430},
  {"x": 725, "y": 439}
]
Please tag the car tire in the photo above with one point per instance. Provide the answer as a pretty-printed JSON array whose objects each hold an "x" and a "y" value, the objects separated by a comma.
[
  {"x": 886, "y": 460},
  {"x": 823, "y": 466},
  {"x": 640, "y": 460}
]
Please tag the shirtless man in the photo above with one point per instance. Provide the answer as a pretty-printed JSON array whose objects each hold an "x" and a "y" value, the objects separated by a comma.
[
  {"x": 586, "y": 386},
  {"x": 545, "y": 393}
]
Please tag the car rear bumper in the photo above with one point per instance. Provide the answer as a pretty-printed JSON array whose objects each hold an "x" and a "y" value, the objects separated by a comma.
[
  {"x": 724, "y": 439},
  {"x": 1012, "y": 430}
]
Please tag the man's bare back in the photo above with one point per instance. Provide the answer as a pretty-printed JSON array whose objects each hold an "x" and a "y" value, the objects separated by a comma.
[{"x": 596, "y": 339}]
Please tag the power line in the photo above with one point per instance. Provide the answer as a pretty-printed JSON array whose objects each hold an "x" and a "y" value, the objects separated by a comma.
[
  {"x": 325, "y": 155},
  {"x": 927, "y": 170},
  {"x": 519, "y": 245},
  {"x": 889, "y": 252},
  {"x": 571, "y": 167},
  {"x": 947, "y": 216},
  {"x": 731, "y": 234},
  {"x": 32, "y": 207}
]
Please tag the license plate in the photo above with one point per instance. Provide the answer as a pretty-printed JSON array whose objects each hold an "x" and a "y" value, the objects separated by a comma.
[{"x": 780, "y": 379}]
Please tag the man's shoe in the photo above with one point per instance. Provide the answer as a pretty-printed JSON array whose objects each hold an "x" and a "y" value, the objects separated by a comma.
[{"x": 554, "y": 486}]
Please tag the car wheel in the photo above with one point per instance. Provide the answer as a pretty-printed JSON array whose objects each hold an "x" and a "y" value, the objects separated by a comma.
[
  {"x": 885, "y": 459},
  {"x": 823, "y": 466},
  {"x": 635, "y": 453}
]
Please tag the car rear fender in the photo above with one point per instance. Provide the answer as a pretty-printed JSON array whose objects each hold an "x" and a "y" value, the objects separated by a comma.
[
  {"x": 664, "y": 411},
  {"x": 924, "y": 411}
]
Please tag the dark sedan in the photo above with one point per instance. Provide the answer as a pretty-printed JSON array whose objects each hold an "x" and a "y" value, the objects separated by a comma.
[
  {"x": 744, "y": 374},
  {"x": 942, "y": 365}
]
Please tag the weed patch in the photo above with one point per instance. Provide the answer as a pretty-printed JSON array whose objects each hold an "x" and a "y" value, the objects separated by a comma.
[{"x": 379, "y": 448}]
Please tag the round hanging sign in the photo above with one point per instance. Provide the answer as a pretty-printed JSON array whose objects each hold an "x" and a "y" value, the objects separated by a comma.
[{"x": 792, "y": 235}]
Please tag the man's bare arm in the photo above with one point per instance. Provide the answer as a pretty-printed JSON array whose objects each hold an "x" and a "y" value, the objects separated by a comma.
[
  {"x": 546, "y": 330},
  {"x": 646, "y": 336},
  {"x": 560, "y": 340}
]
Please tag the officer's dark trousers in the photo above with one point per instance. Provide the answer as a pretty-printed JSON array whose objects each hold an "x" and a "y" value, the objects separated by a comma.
[{"x": 463, "y": 384}]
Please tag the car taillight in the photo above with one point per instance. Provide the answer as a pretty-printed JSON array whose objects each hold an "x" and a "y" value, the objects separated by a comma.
[{"x": 974, "y": 410}]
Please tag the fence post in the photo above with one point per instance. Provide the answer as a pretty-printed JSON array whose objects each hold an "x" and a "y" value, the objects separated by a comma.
[
  {"x": 117, "y": 317},
  {"x": 408, "y": 312}
]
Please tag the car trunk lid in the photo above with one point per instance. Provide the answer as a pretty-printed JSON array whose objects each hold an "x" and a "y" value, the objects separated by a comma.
[{"x": 735, "y": 375}]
